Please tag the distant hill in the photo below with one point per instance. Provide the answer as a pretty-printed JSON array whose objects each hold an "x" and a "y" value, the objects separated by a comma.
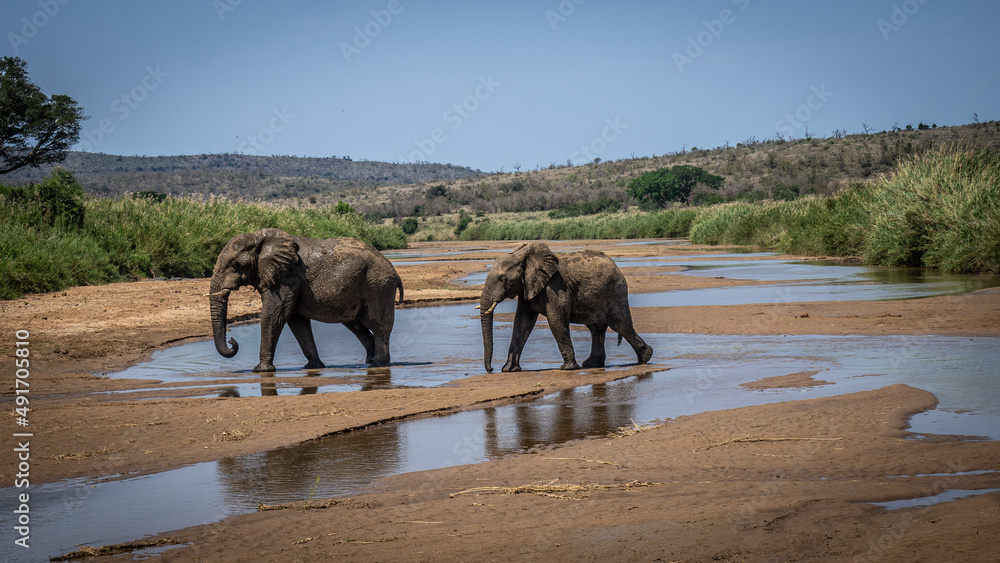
[
  {"x": 236, "y": 175},
  {"x": 753, "y": 169}
]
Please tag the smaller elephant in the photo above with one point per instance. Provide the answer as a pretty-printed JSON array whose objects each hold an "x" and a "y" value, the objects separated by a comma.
[
  {"x": 340, "y": 280},
  {"x": 584, "y": 287}
]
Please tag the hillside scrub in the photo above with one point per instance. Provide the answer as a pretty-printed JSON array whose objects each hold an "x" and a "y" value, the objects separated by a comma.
[
  {"x": 128, "y": 238},
  {"x": 938, "y": 210},
  {"x": 664, "y": 224}
]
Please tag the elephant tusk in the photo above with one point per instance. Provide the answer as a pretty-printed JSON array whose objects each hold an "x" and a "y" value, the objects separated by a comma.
[
  {"x": 490, "y": 310},
  {"x": 476, "y": 307},
  {"x": 222, "y": 293}
]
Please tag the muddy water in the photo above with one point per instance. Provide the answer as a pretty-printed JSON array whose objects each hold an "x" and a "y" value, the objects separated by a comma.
[
  {"x": 706, "y": 375},
  {"x": 432, "y": 346}
]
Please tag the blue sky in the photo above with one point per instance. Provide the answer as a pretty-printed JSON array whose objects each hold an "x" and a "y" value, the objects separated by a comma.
[{"x": 495, "y": 84}]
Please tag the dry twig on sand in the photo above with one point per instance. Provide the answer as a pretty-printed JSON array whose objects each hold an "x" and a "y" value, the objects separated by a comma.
[
  {"x": 584, "y": 459},
  {"x": 748, "y": 439},
  {"x": 549, "y": 489},
  {"x": 88, "y": 551}
]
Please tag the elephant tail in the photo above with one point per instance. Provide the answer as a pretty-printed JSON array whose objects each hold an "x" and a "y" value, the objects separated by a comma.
[
  {"x": 619, "y": 339},
  {"x": 399, "y": 285}
]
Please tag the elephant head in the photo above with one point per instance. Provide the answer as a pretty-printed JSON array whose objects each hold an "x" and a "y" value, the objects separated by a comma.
[
  {"x": 522, "y": 273},
  {"x": 257, "y": 259}
]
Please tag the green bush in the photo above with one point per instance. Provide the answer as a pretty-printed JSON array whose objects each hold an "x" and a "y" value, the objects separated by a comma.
[
  {"x": 410, "y": 225},
  {"x": 130, "y": 238},
  {"x": 463, "y": 223},
  {"x": 665, "y": 224},
  {"x": 59, "y": 198},
  {"x": 659, "y": 188},
  {"x": 602, "y": 205},
  {"x": 939, "y": 210}
]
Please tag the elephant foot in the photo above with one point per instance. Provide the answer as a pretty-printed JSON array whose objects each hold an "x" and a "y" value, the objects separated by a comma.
[
  {"x": 314, "y": 364},
  {"x": 593, "y": 363},
  {"x": 645, "y": 354},
  {"x": 510, "y": 368},
  {"x": 264, "y": 367},
  {"x": 378, "y": 363},
  {"x": 570, "y": 365}
]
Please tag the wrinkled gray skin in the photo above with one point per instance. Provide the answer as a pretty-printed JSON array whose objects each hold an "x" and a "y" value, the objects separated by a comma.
[
  {"x": 341, "y": 280},
  {"x": 583, "y": 287}
]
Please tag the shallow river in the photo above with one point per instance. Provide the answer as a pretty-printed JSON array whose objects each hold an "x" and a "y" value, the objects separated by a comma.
[{"x": 432, "y": 346}]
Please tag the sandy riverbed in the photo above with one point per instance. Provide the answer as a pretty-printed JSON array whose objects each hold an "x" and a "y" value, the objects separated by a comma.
[{"x": 775, "y": 482}]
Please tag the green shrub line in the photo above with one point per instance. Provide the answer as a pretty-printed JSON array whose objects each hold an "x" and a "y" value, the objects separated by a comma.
[
  {"x": 130, "y": 238},
  {"x": 937, "y": 210}
]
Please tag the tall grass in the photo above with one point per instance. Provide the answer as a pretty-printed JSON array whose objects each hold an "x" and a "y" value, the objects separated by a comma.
[
  {"x": 128, "y": 238},
  {"x": 669, "y": 223},
  {"x": 939, "y": 210}
]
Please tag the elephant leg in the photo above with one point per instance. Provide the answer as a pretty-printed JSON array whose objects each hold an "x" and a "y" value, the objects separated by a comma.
[
  {"x": 381, "y": 358},
  {"x": 302, "y": 329},
  {"x": 560, "y": 330},
  {"x": 365, "y": 337},
  {"x": 524, "y": 322},
  {"x": 597, "y": 356},
  {"x": 380, "y": 319},
  {"x": 643, "y": 351},
  {"x": 277, "y": 307}
]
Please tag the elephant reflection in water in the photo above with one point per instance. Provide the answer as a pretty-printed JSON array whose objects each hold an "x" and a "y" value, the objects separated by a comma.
[
  {"x": 290, "y": 473},
  {"x": 575, "y": 415},
  {"x": 377, "y": 378}
]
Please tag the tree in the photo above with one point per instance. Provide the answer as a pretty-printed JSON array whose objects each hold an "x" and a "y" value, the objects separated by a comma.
[
  {"x": 660, "y": 187},
  {"x": 35, "y": 129}
]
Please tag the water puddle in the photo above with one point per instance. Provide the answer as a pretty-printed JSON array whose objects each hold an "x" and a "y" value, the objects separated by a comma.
[
  {"x": 956, "y": 474},
  {"x": 435, "y": 345},
  {"x": 814, "y": 280},
  {"x": 706, "y": 375},
  {"x": 430, "y": 346},
  {"x": 947, "y": 496}
]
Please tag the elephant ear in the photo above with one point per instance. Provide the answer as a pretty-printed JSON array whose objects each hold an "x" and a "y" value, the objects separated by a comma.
[
  {"x": 540, "y": 264},
  {"x": 278, "y": 253}
]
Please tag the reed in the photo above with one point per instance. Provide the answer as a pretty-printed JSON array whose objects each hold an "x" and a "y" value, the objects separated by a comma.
[{"x": 127, "y": 238}]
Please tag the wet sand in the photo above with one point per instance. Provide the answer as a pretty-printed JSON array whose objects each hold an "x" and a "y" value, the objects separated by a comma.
[{"x": 783, "y": 482}]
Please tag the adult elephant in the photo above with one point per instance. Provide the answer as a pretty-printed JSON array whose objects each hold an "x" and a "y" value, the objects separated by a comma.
[
  {"x": 341, "y": 280},
  {"x": 583, "y": 287}
]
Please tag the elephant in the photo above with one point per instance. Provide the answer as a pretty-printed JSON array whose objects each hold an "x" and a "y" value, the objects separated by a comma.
[
  {"x": 340, "y": 280},
  {"x": 584, "y": 287}
]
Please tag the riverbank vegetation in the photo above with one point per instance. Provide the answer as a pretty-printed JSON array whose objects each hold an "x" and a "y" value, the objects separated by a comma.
[
  {"x": 939, "y": 210},
  {"x": 52, "y": 236}
]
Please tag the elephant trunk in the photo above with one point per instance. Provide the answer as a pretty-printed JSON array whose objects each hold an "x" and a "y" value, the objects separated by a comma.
[
  {"x": 486, "y": 307},
  {"x": 487, "y": 321},
  {"x": 218, "y": 302}
]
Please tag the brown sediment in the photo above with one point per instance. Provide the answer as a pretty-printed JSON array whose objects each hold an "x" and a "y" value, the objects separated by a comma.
[{"x": 785, "y": 481}]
